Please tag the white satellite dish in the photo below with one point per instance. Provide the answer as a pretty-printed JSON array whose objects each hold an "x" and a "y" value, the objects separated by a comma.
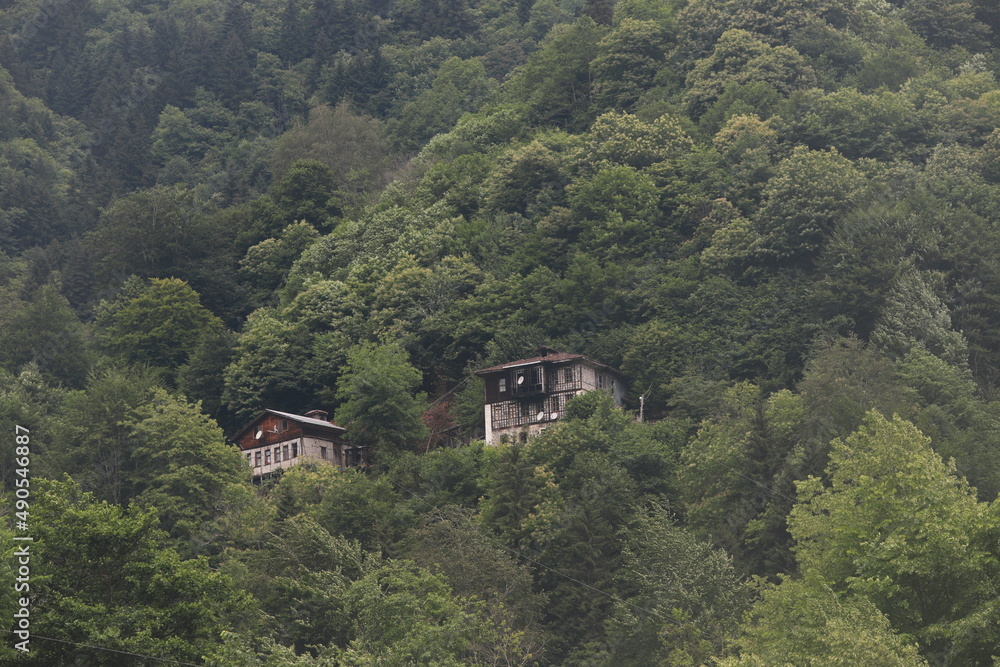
[
  {"x": 520, "y": 379},
  {"x": 554, "y": 415},
  {"x": 540, "y": 416},
  {"x": 259, "y": 435}
]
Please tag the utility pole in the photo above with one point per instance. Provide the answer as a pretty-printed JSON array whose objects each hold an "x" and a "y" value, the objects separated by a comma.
[{"x": 642, "y": 401}]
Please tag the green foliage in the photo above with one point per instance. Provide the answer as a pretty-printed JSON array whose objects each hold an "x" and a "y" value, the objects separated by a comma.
[
  {"x": 520, "y": 496},
  {"x": 809, "y": 191},
  {"x": 33, "y": 194},
  {"x": 268, "y": 368},
  {"x": 159, "y": 326},
  {"x": 845, "y": 379},
  {"x": 299, "y": 573},
  {"x": 897, "y": 527},
  {"x": 734, "y": 474},
  {"x": 628, "y": 140},
  {"x": 740, "y": 58},
  {"x": 449, "y": 541},
  {"x": 946, "y": 24},
  {"x": 154, "y": 233},
  {"x": 555, "y": 82},
  {"x": 305, "y": 192},
  {"x": 346, "y": 503},
  {"x": 626, "y": 63},
  {"x": 351, "y": 145},
  {"x": 201, "y": 378},
  {"x": 829, "y": 630},
  {"x": 107, "y": 579},
  {"x": 402, "y": 614},
  {"x": 379, "y": 406},
  {"x": 92, "y": 439},
  {"x": 47, "y": 334},
  {"x": 773, "y": 215},
  {"x": 447, "y": 476},
  {"x": 914, "y": 316},
  {"x": 266, "y": 264},
  {"x": 177, "y": 136},
  {"x": 459, "y": 86},
  {"x": 618, "y": 207},
  {"x": 522, "y": 177},
  {"x": 883, "y": 125},
  {"x": 748, "y": 146},
  {"x": 682, "y": 597},
  {"x": 183, "y": 465}
]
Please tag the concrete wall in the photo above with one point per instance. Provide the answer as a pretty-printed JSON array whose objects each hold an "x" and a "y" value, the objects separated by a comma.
[
  {"x": 514, "y": 432},
  {"x": 313, "y": 450},
  {"x": 309, "y": 449},
  {"x": 590, "y": 382},
  {"x": 489, "y": 423}
]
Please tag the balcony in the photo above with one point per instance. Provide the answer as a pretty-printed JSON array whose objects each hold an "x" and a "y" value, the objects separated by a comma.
[{"x": 527, "y": 381}]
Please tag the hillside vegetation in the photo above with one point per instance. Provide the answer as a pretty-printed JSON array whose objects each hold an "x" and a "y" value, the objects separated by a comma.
[{"x": 780, "y": 219}]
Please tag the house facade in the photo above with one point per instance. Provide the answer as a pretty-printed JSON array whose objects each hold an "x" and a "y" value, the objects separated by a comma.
[
  {"x": 275, "y": 440},
  {"x": 523, "y": 397}
]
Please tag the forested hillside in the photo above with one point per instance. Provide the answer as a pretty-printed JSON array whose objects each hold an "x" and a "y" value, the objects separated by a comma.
[{"x": 779, "y": 218}]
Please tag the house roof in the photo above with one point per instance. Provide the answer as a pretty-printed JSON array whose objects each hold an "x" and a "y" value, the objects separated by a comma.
[
  {"x": 305, "y": 420},
  {"x": 551, "y": 357},
  {"x": 301, "y": 419}
]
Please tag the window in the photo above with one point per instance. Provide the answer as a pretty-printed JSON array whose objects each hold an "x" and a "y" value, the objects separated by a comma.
[
  {"x": 257, "y": 464},
  {"x": 528, "y": 380},
  {"x": 567, "y": 375},
  {"x": 267, "y": 457},
  {"x": 250, "y": 459},
  {"x": 277, "y": 454},
  {"x": 503, "y": 385},
  {"x": 322, "y": 452},
  {"x": 283, "y": 425},
  {"x": 295, "y": 450},
  {"x": 530, "y": 411},
  {"x": 284, "y": 451}
]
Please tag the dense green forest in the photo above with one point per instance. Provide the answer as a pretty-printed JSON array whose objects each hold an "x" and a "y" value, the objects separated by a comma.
[{"x": 780, "y": 219}]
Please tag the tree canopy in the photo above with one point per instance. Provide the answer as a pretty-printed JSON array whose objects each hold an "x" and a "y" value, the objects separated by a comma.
[{"x": 777, "y": 219}]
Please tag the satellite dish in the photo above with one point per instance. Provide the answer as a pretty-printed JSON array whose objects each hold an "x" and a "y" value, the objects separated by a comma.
[
  {"x": 259, "y": 435},
  {"x": 520, "y": 379},
  {"x": 554, "y": 415},
  {"x": 540, "y": 416}
]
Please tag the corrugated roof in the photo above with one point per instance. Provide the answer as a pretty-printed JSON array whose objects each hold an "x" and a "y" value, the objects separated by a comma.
[
  {"x": 305, "y": 420},
  {"x": 557, "y": 356},
  {"x": 551, "y": 357},
  {"x": 288, "y": 415}
]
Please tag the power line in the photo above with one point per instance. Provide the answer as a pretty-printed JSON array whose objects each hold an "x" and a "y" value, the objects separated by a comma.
[
  {"x": 437, "y": 511},
  {"x": 451, "y": 391},
  {"x": 750, "y": 479},
  {"x": 112, "y": 650}
]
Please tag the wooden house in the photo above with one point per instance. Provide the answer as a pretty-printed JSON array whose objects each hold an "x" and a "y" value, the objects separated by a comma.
[
  {"x": 274, "y": 440},
  {"x": 525, "y": 396}
]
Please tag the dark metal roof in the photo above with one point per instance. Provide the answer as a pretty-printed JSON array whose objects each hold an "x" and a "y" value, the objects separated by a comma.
[
  {"x": 288, "y": 415},
  {"x": 305, "y": 420},
  {"x": 552, "y": 357}
]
